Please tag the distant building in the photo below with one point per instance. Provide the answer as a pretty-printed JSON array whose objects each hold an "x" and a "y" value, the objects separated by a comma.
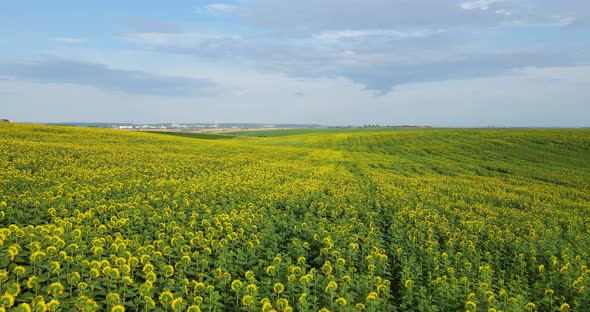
[{"x": 5, "y": 120}]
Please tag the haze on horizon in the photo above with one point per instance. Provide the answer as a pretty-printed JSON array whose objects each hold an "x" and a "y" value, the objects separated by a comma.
[{"x": 347, "y": 62}]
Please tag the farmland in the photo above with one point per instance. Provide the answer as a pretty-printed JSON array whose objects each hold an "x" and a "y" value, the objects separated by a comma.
[{"x": 347, "y": 220}]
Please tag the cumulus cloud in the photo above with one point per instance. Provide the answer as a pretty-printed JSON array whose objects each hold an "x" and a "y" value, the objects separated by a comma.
[
  {"x": 312, "y": 16},
  {"x": 393, "y": 58},
  {"x": 103, "y": 77},
  {"x": 379, "y": 44},
  {"x": 304, "y": 17}
]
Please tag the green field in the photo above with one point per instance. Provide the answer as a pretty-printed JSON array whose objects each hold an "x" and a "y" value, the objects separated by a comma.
[
  {"x": 298, "y": 220},
  {"x": 295, "y": 131}
]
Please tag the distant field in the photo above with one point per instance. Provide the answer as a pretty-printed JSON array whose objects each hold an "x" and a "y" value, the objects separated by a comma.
[
  {"x": 195, "y": 135},
  {"x": 286, "y": 132},
  {"x": 300, "y": 220}
]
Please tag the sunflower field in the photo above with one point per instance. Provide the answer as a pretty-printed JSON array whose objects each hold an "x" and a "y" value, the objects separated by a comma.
[{"x": 340, "y": 220}]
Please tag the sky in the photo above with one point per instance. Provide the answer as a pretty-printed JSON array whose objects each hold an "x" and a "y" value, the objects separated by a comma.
[{"x": 453, "y": 63}]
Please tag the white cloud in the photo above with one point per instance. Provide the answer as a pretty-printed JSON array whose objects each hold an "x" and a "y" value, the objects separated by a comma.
[
  {"x": 302, "y": 17},
  {"x": 478, "y": 4},
  {"x": 177, "y": 39},
  {"x": 221, "y": 8},
  {"x": 354, "y": 34},
  {"x": 70, "y": 40},
  {"x": 511, "y": 99},
  {"x": 377, "y": 63}
]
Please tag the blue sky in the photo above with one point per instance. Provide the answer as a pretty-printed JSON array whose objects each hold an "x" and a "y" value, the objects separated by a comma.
[{"x": 345, "y": 62}]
